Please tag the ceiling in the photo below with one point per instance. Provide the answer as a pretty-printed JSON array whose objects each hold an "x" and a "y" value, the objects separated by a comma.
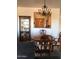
[{"x": 39, "y": 3}]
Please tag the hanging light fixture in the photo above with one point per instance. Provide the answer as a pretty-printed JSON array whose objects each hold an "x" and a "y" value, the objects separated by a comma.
[{"x": 45, "y": 11}]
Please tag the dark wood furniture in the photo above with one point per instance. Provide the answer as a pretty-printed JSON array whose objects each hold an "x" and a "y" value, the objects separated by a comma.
[
  {"x": 44, "y": 45},
  {"x": 24, "y": 28}
]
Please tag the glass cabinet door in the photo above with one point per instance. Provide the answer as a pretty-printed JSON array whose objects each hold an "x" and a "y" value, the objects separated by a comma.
[{"x": 25, "y": 25}]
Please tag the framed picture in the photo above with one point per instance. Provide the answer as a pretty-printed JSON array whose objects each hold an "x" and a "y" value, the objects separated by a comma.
[{"x": 41, "y": 21}]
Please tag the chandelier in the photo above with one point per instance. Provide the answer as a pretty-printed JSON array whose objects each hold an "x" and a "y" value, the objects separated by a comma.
[{"x": 45, "y": 11}]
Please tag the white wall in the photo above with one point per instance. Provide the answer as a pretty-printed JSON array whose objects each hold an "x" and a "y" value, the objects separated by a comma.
[{"x": 55, "y": 21}]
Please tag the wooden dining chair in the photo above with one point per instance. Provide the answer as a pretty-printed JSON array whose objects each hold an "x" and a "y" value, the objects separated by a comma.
[{"x": 45, "y": 44}]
